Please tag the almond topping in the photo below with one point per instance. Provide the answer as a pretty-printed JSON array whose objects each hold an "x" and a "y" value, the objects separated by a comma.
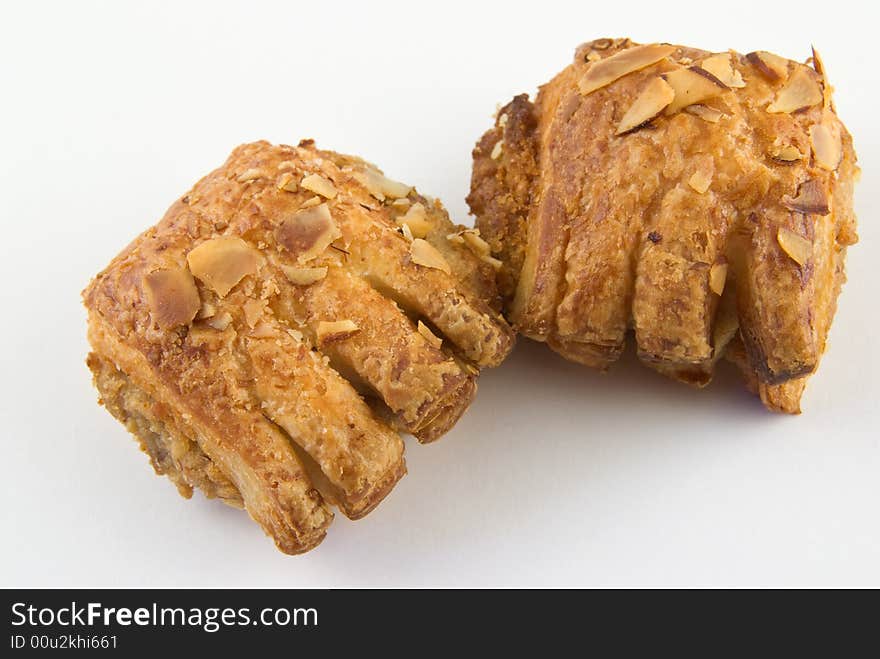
[
  {"x": 721, "y": 67},
  {"x": 606, "y": 71},
  {"x": 692, "y": 85},
  {"x": 220, "y": 322},
  {"x": 802, "y": 91},
  {"x": 403, "y": 202},
  {"x": 656, "y": 95},
  {"x": 430, "y": 337},
  {"x": 307, "y": 233},
  {"x": 796, "y": 246},
  {"x": 250, "y": 175},
  {"x": 818, "y": 64},
  {"x": 207, "y": 310},
  {"x": 296, "y": 335},
  {"x": 717, "y": 278},
  {"x": 827, "y": 148},
  {"x": 476, "y": 244},
  {"x": 407, "y": 232},
  {"x": 287, "y": 183},
  {"x": 380, "y": 186},
  {"x": 811, "y": 199},
  {"x": 263, "y": 330},
  {"x": 785, "y": 153},
  {"x": 425, "y": 254},
  {"x": 172, "y": 297},
  {"x": 337, "y": 330},
  {"x": 303, "y": 276},
  {"x": 496, "y": 150},
  {"x": 495, "y": 263},
  {"x": 705, "y": 113},
  {"x": 416, "y": 218},
  {"x": 319, "y": 185},
  {"x": 773, "y": 67},
  {"x": 700, "y": 180},
  {"x": 310, "y": 202},
  {"x": 221, "y": 263},
  {"x": 253, "y": 311}
]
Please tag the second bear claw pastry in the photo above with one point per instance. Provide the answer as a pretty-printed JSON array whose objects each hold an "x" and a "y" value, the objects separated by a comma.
[{"x": 701, "y": 200}]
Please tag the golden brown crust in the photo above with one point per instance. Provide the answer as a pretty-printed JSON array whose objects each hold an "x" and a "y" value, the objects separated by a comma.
[
  {"x": 229, "y": 337},
  {"x": 736, "y": 185}
]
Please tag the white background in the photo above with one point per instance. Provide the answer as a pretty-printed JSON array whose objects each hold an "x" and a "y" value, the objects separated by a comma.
[{"x": 556, "y": 475}]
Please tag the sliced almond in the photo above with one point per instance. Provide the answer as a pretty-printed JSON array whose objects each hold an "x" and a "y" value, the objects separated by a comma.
[
  {"x": 287, "y": 183},
  {"x": 380, "y": 186},
  {"x": 220, "y": 263},
  {"x": 207, "y": 310},
  {"x": 796, "y": 246},
  {"x": 656, "y": 95},
  {"x": 319, "y": 185},
  {"x": 337, "y": 330},
  {"x": 307, "y": 233},
  {"x": 263, "y": 330},
  {"x": 700, "y": 180},
  {"x": 811, "y": 199},
  {"x": 497, "y": 149},
  {"x": 416, "y": 218},
  {"x": 773, "y": 67},
  {"x": 310, "y": 202},
  {"x": 787, "y": 153},
  {"x": 172, "y": 297},
  {"x": 818, "y": 64},
  {"x": 425, "y": 254},
  {"x": 430, "y": 337},
  {"x": 491, "y": 260},
  {"x": 692, "y": 85},
  {"x": 717, "y": 278},
  {"x": 403, "y": 202},
  {"x": 705, "y": 113},
  {"x": 250, "y": 175},
  {"x": 801, "y": 91},
  {"x": 407, "y": 232},
  {"x": 296, "y": 335},
  {"x": 721, "y": 67},
  {"x": 303, "y": 276},
  {"x": 220, "y": 322},
  {"x": 253, "y": 311},
  {"x": 476, "y": 244},
  {"x": 827, "y": 148},
  {"x": 606, "y": 71}
]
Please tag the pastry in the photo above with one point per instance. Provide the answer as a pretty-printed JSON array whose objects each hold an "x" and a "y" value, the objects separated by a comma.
[
  {"x": 294, "y": 311},
  {"x": 701, "y": 201}
]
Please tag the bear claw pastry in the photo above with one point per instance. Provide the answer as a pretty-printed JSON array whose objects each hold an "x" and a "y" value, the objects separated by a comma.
[
  {"x": 267, "y": 340},
  {"x": 701, "y": 201}
]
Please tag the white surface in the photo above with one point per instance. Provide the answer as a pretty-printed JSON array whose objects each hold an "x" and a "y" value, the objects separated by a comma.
[{"x": 556, "y": 475}]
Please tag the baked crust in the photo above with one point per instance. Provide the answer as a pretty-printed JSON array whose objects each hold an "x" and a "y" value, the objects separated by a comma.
[
  {"x": 701, "y": 201},
  {"x": 235, "y": 338}
]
